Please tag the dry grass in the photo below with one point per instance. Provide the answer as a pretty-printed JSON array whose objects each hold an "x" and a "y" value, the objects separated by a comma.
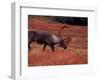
[
  {"x": 76, "y": 52},
  {"x": 59, "y": 57}
]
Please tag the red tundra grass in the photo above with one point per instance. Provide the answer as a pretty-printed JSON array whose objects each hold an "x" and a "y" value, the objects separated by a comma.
[
  {"x": 37, "y": 57},
  {"x": 76, "y": 53}
]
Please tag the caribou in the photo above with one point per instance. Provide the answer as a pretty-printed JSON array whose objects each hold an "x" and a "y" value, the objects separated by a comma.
[{"x": 47, "y": 38}]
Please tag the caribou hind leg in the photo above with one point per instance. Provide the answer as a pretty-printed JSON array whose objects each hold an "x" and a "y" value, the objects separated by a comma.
[{"x": 29, "y": 45}]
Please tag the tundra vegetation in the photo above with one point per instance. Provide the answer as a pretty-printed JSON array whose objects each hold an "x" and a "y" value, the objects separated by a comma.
[{"x": 76, "y": 50}]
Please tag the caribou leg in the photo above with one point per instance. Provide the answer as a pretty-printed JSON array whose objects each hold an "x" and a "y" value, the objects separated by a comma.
[
  {"x": 52, "y": 48},
  {"x": 44, "y": 46},
  {"x": 29, "y": 45}
]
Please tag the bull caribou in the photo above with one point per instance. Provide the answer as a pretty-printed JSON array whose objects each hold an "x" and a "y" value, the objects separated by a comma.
[{"x": 47, "y": 38}]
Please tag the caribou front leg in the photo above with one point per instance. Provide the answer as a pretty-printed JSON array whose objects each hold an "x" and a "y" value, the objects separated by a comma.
[
  {"x": 52, "y": 48},
  {"x": 44, "y": 46}
]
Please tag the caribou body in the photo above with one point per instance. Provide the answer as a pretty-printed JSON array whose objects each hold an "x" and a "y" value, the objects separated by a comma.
[{"x": 47, "y": 38}]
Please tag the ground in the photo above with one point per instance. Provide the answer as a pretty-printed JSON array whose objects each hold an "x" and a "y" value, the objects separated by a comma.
[{"x": 76, "y": 53}]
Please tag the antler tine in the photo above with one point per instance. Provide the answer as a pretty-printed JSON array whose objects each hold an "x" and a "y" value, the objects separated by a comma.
[
  {"x": 61, "y": 30},
  {"x": 67, "y": 39}
]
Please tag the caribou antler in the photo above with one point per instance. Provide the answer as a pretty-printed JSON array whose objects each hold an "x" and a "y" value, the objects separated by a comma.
[
  {"x": 67, "y": 40},
  {"x": 61, "y": 30}
]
